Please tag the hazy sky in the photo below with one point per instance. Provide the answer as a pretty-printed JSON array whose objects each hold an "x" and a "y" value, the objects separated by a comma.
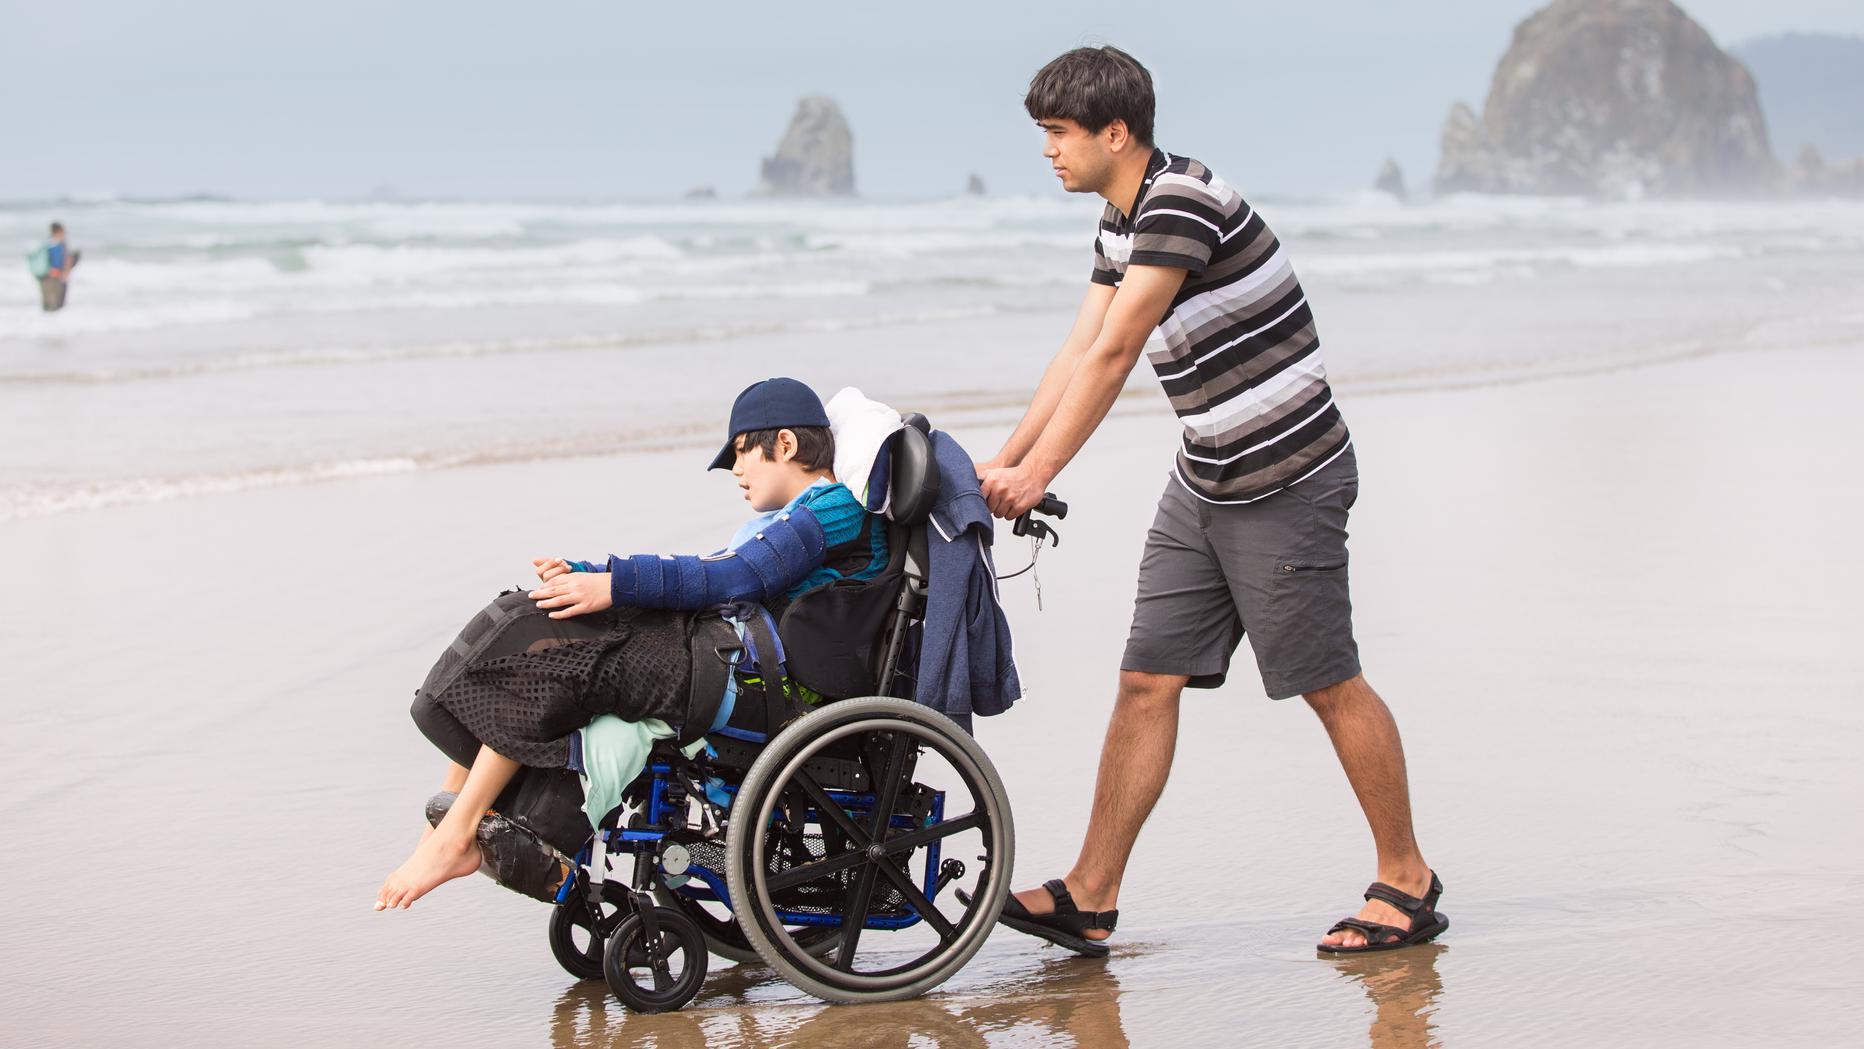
[{"x": 603, "y": 98}]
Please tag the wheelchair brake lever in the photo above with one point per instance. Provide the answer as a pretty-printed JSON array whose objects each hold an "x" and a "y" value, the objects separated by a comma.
[{"x": 1041, "y": 530}]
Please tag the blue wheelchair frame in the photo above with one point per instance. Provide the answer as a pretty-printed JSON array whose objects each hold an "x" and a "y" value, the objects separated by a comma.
[{"x": 645, "y": 843}]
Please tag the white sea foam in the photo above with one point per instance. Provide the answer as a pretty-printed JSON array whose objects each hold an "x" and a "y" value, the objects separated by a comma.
[
  {"x": 39, "y": 500},
  {"x": 63, "y": 373},
  {"x": 1478, "y": 265}
]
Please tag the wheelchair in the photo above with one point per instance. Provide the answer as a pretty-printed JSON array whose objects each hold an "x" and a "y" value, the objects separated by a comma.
[{"x": 831, "y": 848}]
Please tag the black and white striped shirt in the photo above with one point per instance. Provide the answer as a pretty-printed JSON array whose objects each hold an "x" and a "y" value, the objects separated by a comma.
[{"x": 1241, "y": 359}]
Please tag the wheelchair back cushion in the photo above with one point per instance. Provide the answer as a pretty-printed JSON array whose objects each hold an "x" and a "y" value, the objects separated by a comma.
[{"x": 832, "y": 634}]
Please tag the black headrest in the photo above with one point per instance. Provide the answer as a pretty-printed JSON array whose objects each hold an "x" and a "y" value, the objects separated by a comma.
[{"x": 914, "y": 483}]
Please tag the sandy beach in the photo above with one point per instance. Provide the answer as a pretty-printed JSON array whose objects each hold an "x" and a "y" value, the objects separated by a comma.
[{"x": 1615, "y": 613}]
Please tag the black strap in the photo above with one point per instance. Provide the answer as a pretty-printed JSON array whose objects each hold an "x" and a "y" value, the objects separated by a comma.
[
  {"x": 1410, "y": 905},
  {"x": 1064, "y": 904},
  {"x": 1373, "y": 931}
]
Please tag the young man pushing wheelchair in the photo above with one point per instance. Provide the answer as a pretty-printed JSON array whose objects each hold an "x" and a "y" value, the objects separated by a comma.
[{"x": 1250, "y": 535}]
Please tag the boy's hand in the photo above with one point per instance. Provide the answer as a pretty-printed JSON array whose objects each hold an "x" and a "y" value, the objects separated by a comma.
[
  {"x": 549, "y": 568},
  {"x": 574, "y": 594}
]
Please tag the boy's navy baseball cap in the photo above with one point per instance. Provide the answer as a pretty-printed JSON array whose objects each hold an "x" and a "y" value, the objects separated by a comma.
[{"x": 773, "y": 404}]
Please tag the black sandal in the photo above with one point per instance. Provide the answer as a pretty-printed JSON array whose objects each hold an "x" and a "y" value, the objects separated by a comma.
[
  {"x": 1426, "y": 923},
  {"x": 1065, "y": 927}
]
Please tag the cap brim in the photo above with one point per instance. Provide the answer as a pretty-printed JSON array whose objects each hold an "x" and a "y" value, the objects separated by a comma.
[{"x": 726, "y": 457}]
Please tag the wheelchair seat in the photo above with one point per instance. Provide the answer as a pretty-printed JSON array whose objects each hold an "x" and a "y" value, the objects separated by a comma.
[{"x": 851, "y": 637}]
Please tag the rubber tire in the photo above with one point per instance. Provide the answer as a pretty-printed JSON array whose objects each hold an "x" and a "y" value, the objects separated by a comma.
[
  {"x": 778, "y": 752},
  {"x": 575, "y": 962},
  {"x": 687, "y": 939}
]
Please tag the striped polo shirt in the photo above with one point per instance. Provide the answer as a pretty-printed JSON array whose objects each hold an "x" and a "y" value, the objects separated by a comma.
[{"x": 1241, "y": 358}]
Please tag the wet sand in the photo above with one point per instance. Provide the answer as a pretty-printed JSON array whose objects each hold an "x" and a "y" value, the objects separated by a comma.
[{"x": 1615, "y": 615}]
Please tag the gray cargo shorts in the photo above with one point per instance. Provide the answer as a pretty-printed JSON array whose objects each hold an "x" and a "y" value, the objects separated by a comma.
[{"x": 1274, "y": 570}]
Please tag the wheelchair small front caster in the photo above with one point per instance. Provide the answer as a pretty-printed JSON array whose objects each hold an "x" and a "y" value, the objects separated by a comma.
[
  {"x": 575, "y": 941},
  {"x": 659, "y": 970}
]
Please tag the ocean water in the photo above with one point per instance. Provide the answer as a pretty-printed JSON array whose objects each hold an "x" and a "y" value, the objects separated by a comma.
[{"x": 215, "y": 346}]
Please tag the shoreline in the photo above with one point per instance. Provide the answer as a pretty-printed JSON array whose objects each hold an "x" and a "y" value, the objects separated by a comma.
[{"x": 971, "y": 409}]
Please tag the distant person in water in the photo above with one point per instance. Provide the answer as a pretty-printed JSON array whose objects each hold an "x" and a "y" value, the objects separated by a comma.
[{"x": 52, "y": 263}]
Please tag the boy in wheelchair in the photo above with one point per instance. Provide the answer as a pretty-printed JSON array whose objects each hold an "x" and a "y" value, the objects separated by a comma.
[{"x": 580, "y": 676}]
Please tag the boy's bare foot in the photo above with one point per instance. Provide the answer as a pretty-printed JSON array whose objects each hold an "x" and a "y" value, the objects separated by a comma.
[{"x": 438, "y": 858}]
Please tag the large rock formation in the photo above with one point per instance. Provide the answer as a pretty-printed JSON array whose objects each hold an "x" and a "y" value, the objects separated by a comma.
[
  {"x": 816, "y": 156},
  {"x": 1611, "y": 98}
]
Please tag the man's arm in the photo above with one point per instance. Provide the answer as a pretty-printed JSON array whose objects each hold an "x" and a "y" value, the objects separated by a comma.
[
  {"x": 1088, "y": 321},
  {"x": 1097, "y": 378}
]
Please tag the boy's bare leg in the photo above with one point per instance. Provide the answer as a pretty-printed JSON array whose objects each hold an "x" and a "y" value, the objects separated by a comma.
[
  {"x": 1366, "y": 739},
  {"x": 450, "y": 852},
  {"x": 455, "y": 781},
  {"x": 1134, "y": 763}
]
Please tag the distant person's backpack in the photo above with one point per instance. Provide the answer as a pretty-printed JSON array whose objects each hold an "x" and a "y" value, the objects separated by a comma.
[{"x": 39, "y": 261}]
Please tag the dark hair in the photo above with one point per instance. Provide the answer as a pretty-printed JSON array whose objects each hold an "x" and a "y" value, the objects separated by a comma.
[
  {"x": 815, "y": 445},
  {"x": 57, "y": 228},
  {"x": 1094, "y": 86}
]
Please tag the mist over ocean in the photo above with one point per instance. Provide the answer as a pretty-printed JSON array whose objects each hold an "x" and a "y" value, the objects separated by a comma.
[{"x": 237, "y": 344}]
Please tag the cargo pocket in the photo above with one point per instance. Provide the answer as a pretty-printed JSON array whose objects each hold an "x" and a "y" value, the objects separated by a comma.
[{"x": 1309, "y": 600}]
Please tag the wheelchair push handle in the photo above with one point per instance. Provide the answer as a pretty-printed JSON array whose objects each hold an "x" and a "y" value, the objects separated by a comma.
[{"x": 1048, "y": 507}]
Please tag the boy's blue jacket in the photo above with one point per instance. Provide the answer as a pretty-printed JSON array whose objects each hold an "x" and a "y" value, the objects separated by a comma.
[
  {"x": 965, "y": 665},
  {"x": 776, "y": 555},
  {"x": 781, "y": 555}
]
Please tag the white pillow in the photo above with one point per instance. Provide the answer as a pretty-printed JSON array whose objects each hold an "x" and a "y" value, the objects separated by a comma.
[{"x": 860, "y": 426}]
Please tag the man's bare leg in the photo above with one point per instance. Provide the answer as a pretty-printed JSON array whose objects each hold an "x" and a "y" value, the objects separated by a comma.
[
  {"x": 1366, "y": 739},
  {"x": 1134, "y": 763},
  {"x": 450, "y": 852}
]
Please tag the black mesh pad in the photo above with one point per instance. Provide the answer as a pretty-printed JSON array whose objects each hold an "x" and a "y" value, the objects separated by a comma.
[{"x": 520, "y": 682}]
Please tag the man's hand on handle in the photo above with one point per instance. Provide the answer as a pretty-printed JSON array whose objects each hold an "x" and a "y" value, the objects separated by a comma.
[{"x": 1011, "y": 491}]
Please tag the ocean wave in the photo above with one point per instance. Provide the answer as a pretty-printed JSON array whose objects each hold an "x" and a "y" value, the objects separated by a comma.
[
  {"x": 356, "y": 355},
  {"x": 1477, "y": 265},
  {"x": 42, "y": 500},
  {"x": 39, "y": 499},
  {"x": 140, "y": 316}
]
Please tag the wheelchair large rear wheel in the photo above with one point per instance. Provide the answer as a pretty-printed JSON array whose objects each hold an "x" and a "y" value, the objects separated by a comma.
[{"x": 859, "y": 858}]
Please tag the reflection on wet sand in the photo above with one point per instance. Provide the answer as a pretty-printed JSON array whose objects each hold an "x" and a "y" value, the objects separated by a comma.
[
  {"x": 1064, "y": 1001},
  {"x": 1404, "y": 988}
]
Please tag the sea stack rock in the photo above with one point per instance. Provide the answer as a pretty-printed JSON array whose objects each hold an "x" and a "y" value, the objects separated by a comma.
[
  {"x": 816, "y": 156},
  {"x": 1614, "y": 98},
  {"x": 1391, "y": 179},
  {"x": 974, "y": 186},
  {"x": 1811, "y": 175}
]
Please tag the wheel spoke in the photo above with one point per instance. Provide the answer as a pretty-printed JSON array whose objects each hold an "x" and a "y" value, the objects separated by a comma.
[
  {"x": 887, "y": 792},
  {"x": 857, "y": 838},
  {"x": 918, "y": 901},
  {"x": 928, "y": 835},
  {"x": 841, "y": 861},
  {"x": 854, "y": 916}
]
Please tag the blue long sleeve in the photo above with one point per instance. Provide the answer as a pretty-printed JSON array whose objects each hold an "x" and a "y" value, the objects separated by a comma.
[{"x": 782, "y": 554}]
